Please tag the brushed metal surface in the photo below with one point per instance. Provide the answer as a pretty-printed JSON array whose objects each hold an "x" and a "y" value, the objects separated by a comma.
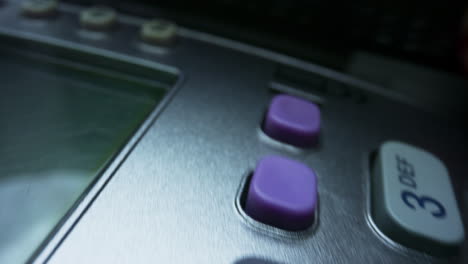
[{"x": 173, "y": 199}]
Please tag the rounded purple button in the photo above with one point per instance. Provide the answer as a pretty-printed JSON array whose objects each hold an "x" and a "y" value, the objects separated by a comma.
[
  {"x": 282, "y": 193},
  {"x": 293, "y": 120}
]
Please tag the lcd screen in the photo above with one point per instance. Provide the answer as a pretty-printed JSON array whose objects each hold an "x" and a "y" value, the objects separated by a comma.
[{"x": 62, "y": 122}]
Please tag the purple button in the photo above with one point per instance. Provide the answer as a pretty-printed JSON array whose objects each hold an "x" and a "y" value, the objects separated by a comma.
[
  {"x": 282, "y": 193},
  {"x": 293, "y": 120}
]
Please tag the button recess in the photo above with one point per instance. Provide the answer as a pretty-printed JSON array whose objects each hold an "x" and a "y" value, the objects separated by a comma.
[
  {"x": 282, "y": 193},
  {"x": 413, "y": 202},
  {"x": 293, "y": 121}
]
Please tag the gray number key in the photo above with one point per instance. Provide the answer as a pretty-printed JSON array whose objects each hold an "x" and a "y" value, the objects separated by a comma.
[{"x": 413, "y": 202}]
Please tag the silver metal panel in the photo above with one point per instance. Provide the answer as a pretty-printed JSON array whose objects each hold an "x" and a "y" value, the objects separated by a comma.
[{"x": 173, "y": 199}]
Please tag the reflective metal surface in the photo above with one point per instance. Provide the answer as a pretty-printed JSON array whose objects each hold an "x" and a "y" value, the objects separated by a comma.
[{"x": 173, "y": 199}]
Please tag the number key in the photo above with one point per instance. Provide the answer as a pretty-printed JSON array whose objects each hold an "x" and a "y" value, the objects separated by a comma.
[{"x": 413, "y": 202}]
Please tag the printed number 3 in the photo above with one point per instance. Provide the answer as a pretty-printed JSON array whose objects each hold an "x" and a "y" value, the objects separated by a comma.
[{"x": 422, "y": 201}]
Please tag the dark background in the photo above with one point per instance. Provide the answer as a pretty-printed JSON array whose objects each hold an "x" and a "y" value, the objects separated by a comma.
[{"x": 326, "y": 32}]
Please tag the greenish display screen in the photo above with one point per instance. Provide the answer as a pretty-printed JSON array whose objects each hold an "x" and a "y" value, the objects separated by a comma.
[{"x": 61, "y": 124}]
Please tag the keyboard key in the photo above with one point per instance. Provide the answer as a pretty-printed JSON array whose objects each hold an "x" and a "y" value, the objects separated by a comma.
[
  {"x": 39, "y": 8},
  {"x": 293, "y": 120},
  {"x": 283, "y": 194},
  {"x": 413, "y": 202},
  {"x": 158, "y": 32},
  {"x": 98, "y": 18}
]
